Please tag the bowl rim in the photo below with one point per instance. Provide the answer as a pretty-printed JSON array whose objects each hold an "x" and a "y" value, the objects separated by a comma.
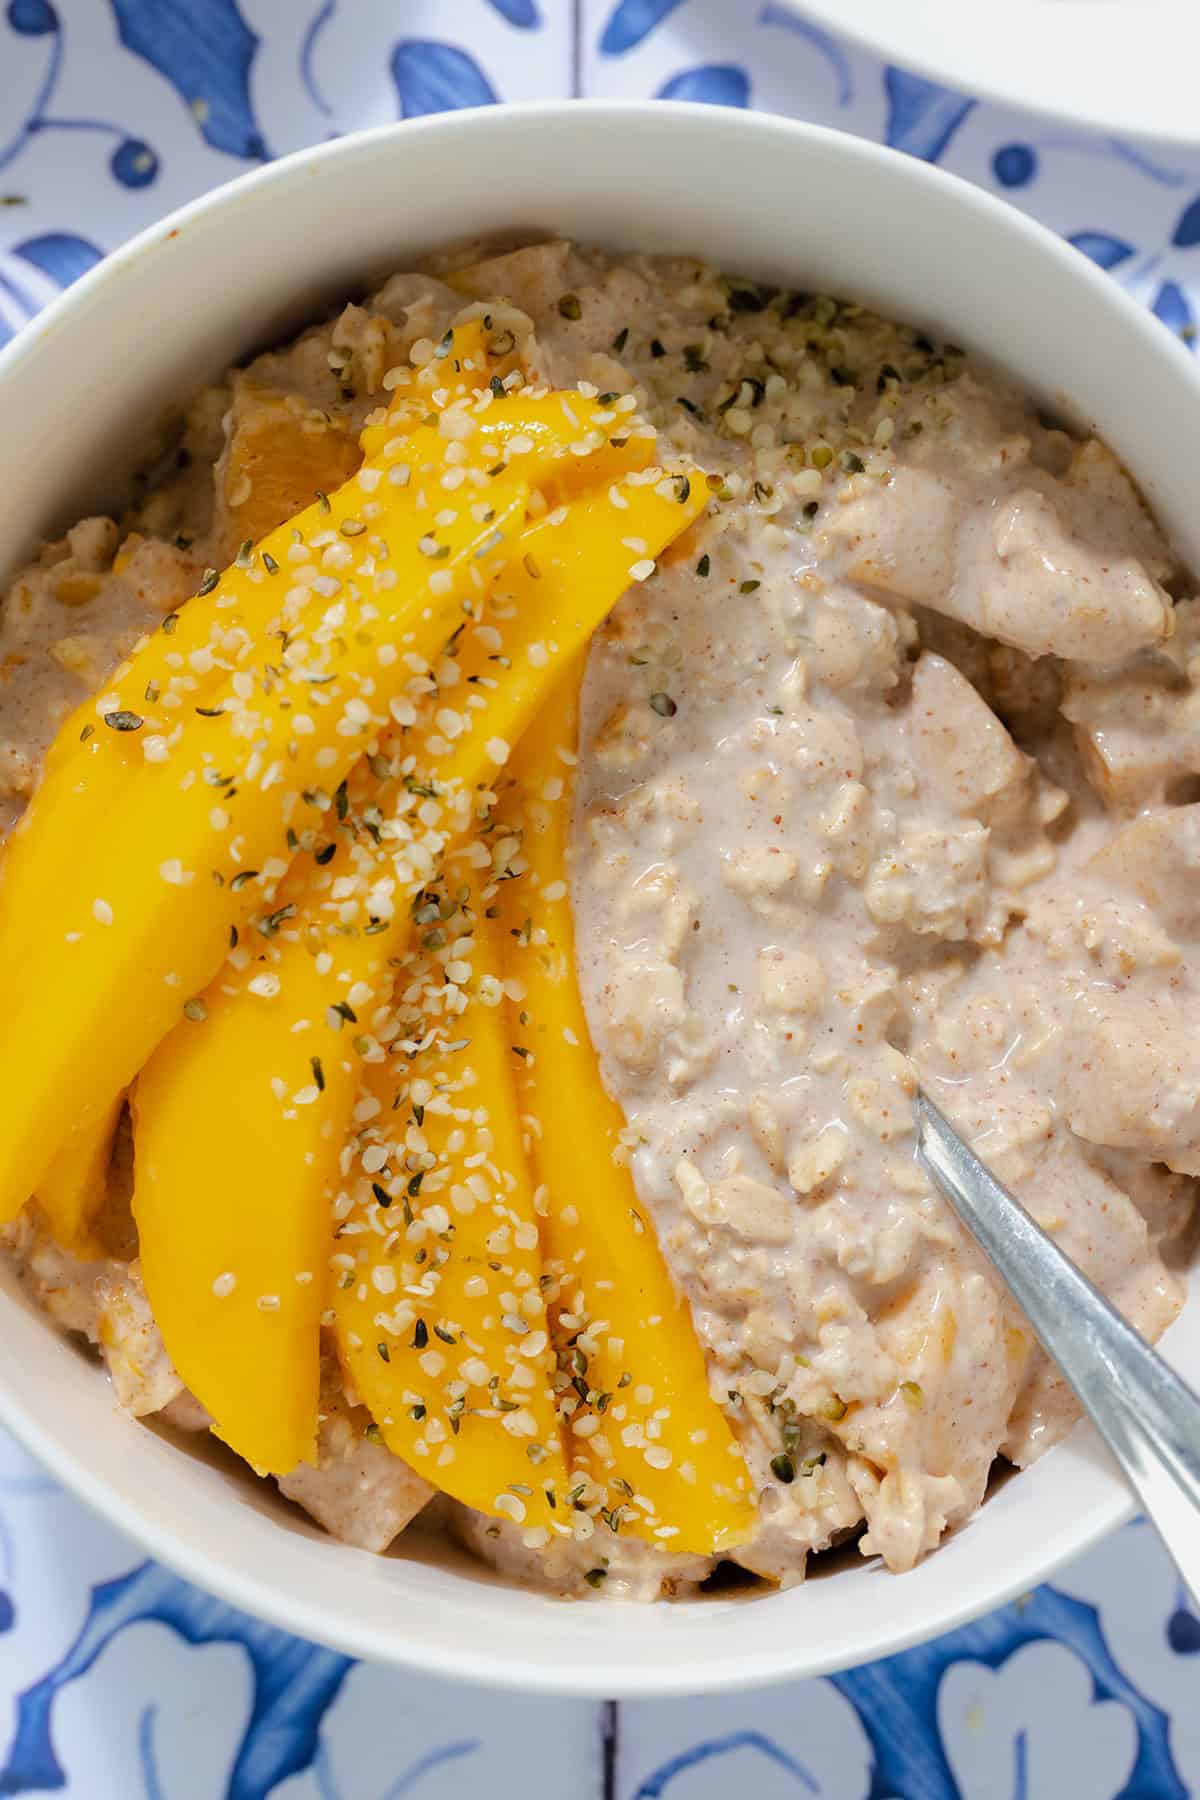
[
  {"x": 116, "y": 264},
  {"x": 480, "y": 1664},
  {"x": 1109, "y": 1501}
]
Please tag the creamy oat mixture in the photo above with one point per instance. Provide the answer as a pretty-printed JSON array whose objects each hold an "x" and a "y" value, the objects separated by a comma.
[{"x": 884, "y": 774}]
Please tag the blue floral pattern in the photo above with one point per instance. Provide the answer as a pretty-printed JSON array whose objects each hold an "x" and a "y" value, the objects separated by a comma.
[
  {"x": 121, "y": 1682},
  {"x": 205, "y": 49},
  {"x": 432, "y": 77}
]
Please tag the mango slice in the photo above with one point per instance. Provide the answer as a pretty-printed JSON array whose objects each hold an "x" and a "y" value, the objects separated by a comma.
[
  {"x": 650, "y": 1451},
  {"x": 73, "y": 1187},
  {"x": 279, "y": 454},
  {"x": 470, "y": 359},
  {"x": 236, "y": 1275},
  {"x": 441, "y": 1322},
  {"x": 310, "y": 997}
]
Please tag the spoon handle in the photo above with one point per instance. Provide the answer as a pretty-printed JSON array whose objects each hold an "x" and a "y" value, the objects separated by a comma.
[{"x": 1148, "y": 1417}]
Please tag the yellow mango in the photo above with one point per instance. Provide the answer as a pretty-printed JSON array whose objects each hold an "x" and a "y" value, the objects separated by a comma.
[
  {"x": 478, "y": 355},
  {"x": 280, "y": 453},
  {"x": 72, "y": 1191},
  {"x": 559, "y": 440},
  {"x": 440, "y": 1320},
  {"x": 80, "y": 786},
  {"x": 236, "y": 1275},
  {"x": 646, "y": 1439},
  {"x": 330, "y": 966},
  {"x": 470, "y": 358}
]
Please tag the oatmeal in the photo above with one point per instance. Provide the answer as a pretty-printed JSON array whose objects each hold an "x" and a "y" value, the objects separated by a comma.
[{"x": 884, "y": 772}]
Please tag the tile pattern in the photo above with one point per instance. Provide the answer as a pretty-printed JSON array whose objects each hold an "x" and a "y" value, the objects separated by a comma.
[{"x": 116, "y": 1679}]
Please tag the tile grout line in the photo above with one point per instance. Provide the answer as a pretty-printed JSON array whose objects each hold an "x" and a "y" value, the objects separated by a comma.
[
  {"x": 576, "y": 49},
  {"x": 610, "y": 1733}
]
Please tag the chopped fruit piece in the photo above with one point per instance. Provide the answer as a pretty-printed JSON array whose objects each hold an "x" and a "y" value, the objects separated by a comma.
[
  {"x": 73, "y": 1188},
  {"x": 280, "y": 455},
  {"x": 654, "y": 1453},
  {"x": 441, "y": 1323},
  {"x": 355, "y": 1488}
]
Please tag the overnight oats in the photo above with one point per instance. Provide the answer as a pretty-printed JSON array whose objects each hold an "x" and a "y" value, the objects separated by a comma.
[{"x": 498, "y": 830}]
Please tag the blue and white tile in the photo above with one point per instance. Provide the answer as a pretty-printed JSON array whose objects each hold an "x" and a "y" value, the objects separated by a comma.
[
  {"x": 777, "y": 1744},
  {"x": 118, "y": 1680},
  {"x": 1076, "y": 1692},
  {"x": 445, "y": 1742}
]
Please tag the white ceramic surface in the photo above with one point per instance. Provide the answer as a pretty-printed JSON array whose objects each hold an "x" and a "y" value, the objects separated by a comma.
[
  {"x": 773, "y": 199},
  {"x": 1116, "y": 65}
]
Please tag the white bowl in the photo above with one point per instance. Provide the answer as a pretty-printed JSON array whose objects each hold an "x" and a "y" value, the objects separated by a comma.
[
  {"x": 1110, "y": 65},
  {"x": 771, "y": 199}
]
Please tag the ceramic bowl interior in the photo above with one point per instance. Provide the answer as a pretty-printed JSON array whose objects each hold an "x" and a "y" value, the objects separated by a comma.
[{"x": 78, "y": 393}]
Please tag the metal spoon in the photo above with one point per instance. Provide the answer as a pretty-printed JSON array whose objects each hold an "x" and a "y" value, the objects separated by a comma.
[{"x": 1148, "y": 1417}]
